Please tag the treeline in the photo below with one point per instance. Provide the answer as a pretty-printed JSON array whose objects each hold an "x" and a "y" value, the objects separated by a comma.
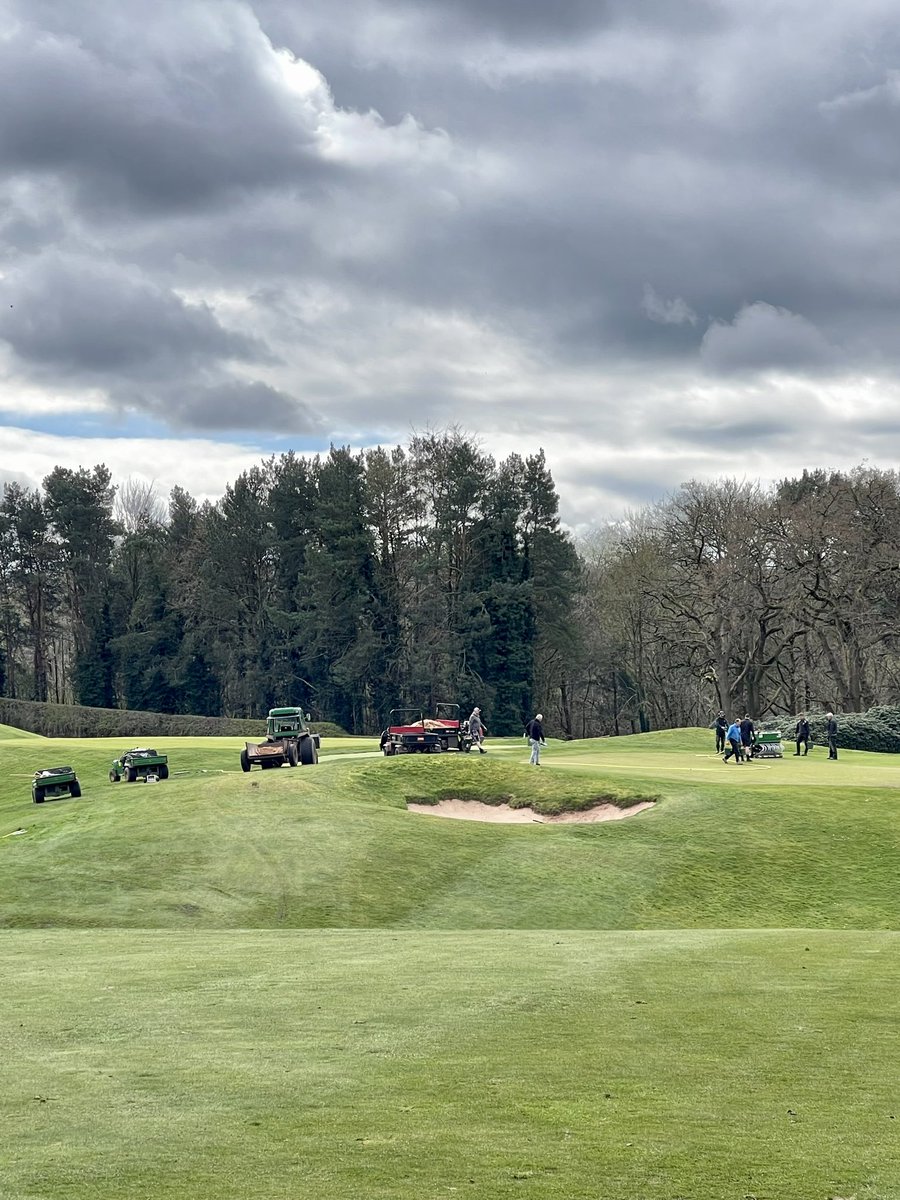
[
  {"x": 728, "y": 595},
  {"x": 352, "y": 583},
  {"x": 349, "y": 583}
]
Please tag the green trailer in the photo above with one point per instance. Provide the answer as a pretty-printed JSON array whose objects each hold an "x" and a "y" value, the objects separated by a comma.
[
  {"x": 139, "y": 765},
  {"x": 51, "y": 783}
]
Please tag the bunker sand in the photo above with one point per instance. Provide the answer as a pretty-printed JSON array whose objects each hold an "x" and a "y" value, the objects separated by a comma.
[{"x": 474, "y": 810}]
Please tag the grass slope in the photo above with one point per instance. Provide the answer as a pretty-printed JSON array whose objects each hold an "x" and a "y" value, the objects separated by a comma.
[
  {"x": 578, "y": 1065},
  {"x": 9, "y": 733},
  {"x": 757, "y": 846},
  {"x": 284, "y": 984}
]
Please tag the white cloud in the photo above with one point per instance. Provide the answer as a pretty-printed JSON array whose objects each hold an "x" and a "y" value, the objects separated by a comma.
[
  {"x": 667, "y": 312},
  {"x": 763, "y": 337},
  {"x": 201, "y": 466}
]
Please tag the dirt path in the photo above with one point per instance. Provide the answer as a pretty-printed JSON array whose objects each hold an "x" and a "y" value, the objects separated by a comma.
[{"x": 474, "y": 810}]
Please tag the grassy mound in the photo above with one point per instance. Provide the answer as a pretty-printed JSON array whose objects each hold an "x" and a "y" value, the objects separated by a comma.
[
  {"x": 284, "y": 984},
  {"x": 10, "y": 733},
  {"x": 761, "y": 845}
]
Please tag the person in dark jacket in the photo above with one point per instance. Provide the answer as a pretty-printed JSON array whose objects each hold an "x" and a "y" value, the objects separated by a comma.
[
  {"x": 831, "y": 734},
  {"x": 721, "y": 732},
  {"x": 748, "y": 737},
  {"x": 801, "y": 734},
  {"x": 534, "y": 731}
]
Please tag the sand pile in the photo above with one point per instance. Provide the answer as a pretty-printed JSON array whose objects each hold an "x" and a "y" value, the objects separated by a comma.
[{"x": 474, "y": 810}]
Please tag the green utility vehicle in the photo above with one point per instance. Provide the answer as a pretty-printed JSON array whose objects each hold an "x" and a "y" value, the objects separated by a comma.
[
  {"x": 139, "y": 764},
  {"x": 53, "y": 782},
  {"x": 288, "y": 740}
]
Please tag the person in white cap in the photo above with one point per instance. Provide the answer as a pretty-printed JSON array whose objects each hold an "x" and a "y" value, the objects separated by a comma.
[
  {"x": 477, "y": 729},
  {"x": 534, "y": 731}
]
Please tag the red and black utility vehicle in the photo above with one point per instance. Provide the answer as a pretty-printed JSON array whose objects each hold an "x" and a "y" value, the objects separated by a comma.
[{"x": 411, "y": 731}]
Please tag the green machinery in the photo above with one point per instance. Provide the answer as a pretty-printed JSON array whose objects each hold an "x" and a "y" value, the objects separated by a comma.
[
  {"x": 768, "y": 744},
  {"x": 53, "y": 782},
  {"x": 140, "y": 764},
  {"x": 288, "y": 740}
]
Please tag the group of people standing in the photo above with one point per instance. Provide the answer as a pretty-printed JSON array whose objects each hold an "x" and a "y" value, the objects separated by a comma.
[
  {"x": 802, "y": 736},
  {"x": 534, "y": 731},
  {"x": 736, "y": 739}
]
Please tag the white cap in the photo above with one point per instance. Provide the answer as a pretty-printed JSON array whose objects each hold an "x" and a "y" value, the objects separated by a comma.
[
  {"x": 476, "y": 710},
  {"x": 539, "y": 717},
  {"x": 829, "y": 714}
]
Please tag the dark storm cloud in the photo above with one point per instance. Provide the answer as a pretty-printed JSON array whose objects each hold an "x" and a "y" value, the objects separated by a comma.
[
  {"x": 146, "y": 121},
  {"x": 233, "y": 405},
  {"x": 525, "y": 19},
  {"x": 698, "y": 195},
  {"x": 92, "y": 319}
]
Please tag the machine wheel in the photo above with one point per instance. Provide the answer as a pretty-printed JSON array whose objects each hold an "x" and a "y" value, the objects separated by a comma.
[
  {"x": 388, "y": 749},
  {"x": 445, "y": 745},
  {"x": 466, "y": 747},
  {"x": 308, "y": 753},
  {"x": 114, "y": 777},
  {"x": 245, "y": 761},
  {"x": 164, "y": 771},
  {"x": 75, "y": 790},
  {"x": 292, "y": 755},
  {"x": 38, "y": 795},
  {"x": 131, "y": 774}
]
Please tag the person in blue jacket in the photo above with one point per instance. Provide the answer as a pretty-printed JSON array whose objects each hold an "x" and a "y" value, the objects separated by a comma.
[{"x": 734, "y": 743}]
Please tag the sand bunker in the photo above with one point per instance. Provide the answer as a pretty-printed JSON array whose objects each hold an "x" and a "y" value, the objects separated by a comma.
[{"x": 474, "y": 810}]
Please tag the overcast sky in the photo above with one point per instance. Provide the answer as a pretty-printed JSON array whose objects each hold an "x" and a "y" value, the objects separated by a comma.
[{"x": 661, "y": 240}]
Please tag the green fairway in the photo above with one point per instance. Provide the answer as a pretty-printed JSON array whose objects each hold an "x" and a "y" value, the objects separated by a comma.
[
  {"x": 283, "y": 983},
  {"x": 763, "y": 845},
  {"x": 546, "y": 1064}
]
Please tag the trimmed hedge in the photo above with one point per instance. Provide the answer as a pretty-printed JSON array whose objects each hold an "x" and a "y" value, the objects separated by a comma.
[
  {"x": 77, "y": 720},
  {"x": 878, "y": 729}
]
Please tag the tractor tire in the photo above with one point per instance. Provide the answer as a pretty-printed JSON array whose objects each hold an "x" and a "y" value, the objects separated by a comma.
[
  {"x": 75, "y": 790},
  {"x": 164, "y": 771},
  {"x": 245, "y": 761},
  {"x": 445, "y": 745},
  {"x": 388, "y": 749},
  {"x": 38, "y": 795},
  {"x": 131, "y": 774},
  {"x": 466, "y": 747},
  {"x": 292, "y": 755},
  {"x": 309, "y": 756},
  {"x": 114, "y": 777}
]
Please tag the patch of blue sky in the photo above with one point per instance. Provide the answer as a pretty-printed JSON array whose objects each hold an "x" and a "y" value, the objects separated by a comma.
[{"x": 111, "y": 425}]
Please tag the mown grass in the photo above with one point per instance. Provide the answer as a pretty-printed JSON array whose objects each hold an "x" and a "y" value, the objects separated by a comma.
[
  {"x": 757, "y": 846},
  {"x": 284, "y": 984},
  {"x": 554, "y": 1065}
]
